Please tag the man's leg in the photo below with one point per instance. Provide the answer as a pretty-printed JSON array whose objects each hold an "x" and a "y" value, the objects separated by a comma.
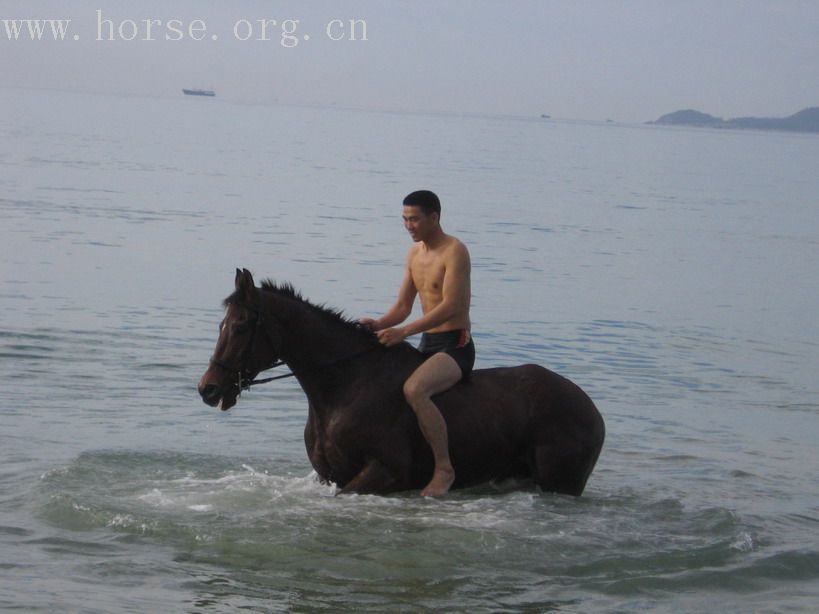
[{"x": 438, "y": 373}]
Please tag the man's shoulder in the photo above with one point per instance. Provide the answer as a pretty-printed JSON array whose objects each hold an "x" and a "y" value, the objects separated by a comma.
[{"x": 456, "y": 247}]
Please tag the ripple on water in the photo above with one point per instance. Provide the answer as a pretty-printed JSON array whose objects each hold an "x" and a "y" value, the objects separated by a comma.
[{"x": 269, "y": 530}]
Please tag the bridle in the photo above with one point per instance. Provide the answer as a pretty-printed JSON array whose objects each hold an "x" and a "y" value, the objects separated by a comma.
[{"x": 242, "y": 375}]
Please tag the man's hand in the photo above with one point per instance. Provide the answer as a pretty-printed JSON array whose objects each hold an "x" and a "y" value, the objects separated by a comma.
[
  {"x": 391, "y": 336},
  {"x": 368, "y": 323}
]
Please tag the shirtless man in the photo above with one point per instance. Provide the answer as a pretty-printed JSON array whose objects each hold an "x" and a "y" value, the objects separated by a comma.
[{"x": 437, "y": 269}]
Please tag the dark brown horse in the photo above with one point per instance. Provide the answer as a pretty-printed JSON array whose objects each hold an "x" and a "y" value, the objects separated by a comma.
[{"x": 362, "y": 435}]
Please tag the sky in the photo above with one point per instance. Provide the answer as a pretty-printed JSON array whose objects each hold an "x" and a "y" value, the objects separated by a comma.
[{"x": 624, "y": 60}]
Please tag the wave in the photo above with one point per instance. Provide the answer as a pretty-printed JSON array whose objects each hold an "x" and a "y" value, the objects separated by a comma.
[{"x": 269, "y": 527}]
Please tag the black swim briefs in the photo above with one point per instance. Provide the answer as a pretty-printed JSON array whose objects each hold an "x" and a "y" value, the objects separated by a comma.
[{"x": 456, "y": 343}]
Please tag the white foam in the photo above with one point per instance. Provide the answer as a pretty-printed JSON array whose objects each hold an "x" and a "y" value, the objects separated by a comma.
[
  {"x": 744, "y": 542},
  {"x": 200, "y": 508},
  {"x": 156, "y": 498}
]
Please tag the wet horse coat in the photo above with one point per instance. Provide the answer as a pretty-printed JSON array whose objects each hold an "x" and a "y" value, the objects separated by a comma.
[{"x": 361, "y": 434}]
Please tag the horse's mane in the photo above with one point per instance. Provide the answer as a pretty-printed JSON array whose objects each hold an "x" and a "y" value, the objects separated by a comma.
[{"x": 287, "y": 290}]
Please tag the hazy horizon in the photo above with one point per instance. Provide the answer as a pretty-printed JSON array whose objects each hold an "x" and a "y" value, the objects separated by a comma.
[{"x": 592, "y": 60}]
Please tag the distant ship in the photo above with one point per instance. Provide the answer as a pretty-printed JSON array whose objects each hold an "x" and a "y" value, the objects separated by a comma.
[{"x": 198, "y": 92}]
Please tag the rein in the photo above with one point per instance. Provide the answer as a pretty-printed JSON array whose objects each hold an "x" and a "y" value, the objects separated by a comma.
[
  {"x": 247, "y": 384},
  {"x": 255, "y": 382},
  {"x": 244, "y": 383}
]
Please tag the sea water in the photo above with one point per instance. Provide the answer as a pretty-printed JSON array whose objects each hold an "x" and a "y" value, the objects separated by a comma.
[{"x": 670, "y": 272}]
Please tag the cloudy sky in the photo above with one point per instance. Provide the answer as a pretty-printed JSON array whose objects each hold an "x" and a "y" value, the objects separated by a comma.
[{"x": 580, "y": 59}]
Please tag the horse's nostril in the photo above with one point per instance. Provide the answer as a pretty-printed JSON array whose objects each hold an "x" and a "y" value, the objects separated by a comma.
[{"x": 209, "y": 391}]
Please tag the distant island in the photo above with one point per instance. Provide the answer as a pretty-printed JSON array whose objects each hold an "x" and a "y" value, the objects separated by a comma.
[{"x": 806, "y": 120}]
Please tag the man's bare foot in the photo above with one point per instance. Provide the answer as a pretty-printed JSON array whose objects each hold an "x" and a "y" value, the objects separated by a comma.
[{"x": 440, "y": 483}]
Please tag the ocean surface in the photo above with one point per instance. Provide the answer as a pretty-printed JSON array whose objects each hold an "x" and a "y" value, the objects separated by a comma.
[{"x": 670, "y": 272}]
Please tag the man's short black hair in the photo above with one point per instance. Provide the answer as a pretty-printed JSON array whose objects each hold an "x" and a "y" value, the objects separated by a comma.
[{"x": 425, "y": 199}]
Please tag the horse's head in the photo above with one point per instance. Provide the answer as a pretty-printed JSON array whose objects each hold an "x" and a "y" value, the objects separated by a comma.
[{"x": 245, "y": 347}]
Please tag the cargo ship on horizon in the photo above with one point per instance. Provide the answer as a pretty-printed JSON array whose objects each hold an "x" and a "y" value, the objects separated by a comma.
[{"x": 198, "y": 92}]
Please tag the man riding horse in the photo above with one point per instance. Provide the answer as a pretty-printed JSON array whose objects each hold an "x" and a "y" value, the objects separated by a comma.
[
  {"x": 371, "y": 424},
  {"x": 437, "y": 269}
]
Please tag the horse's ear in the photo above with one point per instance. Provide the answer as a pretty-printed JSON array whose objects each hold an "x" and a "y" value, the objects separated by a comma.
[
  {"x": 243, "y": 276},
  {"x": 245, "y": 285}
]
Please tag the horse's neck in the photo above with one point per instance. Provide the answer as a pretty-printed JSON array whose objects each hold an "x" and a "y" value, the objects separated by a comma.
[
  {"x": 333, "y": 361},
  {"x": 312, "y": 341}
]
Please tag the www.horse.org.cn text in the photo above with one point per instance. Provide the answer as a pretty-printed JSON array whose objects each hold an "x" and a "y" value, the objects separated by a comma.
[{"x": 288, "y": 33}]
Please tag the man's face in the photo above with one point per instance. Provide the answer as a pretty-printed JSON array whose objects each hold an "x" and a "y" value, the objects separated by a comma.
[{"x": 418, "y": 224}]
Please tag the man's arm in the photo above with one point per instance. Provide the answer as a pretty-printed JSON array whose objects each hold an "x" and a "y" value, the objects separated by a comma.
[{"x": 402, "y": 307}]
